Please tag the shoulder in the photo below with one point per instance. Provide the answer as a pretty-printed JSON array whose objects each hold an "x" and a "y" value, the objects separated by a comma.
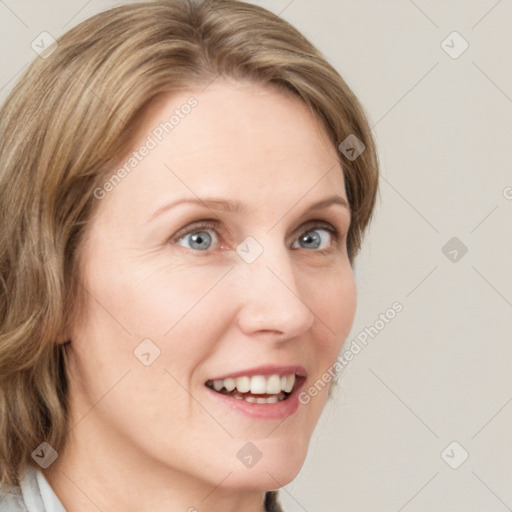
[
  {"x": 11, "y": 500},
  {"x": 25, "y": 497}
]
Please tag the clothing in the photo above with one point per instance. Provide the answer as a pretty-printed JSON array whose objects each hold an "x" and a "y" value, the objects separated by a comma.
[
  {"x": 271, "y": 502},
  {"x": 34, "y": 494}
]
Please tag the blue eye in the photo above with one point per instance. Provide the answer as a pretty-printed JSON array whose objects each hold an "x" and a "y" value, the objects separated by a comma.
[
  {"x": 313, "y": 238},
  {"x": 200, "y": 239}
]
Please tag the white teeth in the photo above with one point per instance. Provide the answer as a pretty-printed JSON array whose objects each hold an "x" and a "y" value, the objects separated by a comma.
[
  {"x": 273, "y": 385},
  {"x": 290, "y": 381},
  {"x": 229, "y": 384},
  {"x": 260, "y": 400},
  {"x": 256, "y": 385},
  {"x": 243, "y": 384}
]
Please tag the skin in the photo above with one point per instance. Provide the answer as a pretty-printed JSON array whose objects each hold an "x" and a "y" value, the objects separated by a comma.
[{"x": 152, "y": 438}]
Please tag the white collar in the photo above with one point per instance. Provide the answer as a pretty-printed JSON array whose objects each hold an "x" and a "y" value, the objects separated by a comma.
[{"x": 37, "y": 493}]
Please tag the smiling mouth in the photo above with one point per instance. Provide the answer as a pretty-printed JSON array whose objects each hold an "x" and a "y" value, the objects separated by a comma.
[{"x": 257, "y": 389}]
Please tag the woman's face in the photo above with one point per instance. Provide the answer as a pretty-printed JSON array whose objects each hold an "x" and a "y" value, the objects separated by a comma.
[{"x": 261, "y": 292}]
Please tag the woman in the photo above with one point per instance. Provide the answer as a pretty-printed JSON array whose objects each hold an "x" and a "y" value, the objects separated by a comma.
[{"x": 184, "y": 188}]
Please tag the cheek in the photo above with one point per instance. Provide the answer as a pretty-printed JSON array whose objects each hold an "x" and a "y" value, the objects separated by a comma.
[
  {"x": 334, "y": 302},
  {"x": 333, "y": 299},
  {"x": 151, "y": 298}
]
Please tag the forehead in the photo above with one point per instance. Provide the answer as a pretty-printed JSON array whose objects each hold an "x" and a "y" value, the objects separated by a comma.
[{"x": 242, "y": 141}]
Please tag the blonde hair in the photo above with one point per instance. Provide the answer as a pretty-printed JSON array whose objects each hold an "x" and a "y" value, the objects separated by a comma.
[{"x": 69, "y": 120}]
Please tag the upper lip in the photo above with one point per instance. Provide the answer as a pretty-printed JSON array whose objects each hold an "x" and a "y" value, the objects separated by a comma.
[{"x": 265, "y": 370}]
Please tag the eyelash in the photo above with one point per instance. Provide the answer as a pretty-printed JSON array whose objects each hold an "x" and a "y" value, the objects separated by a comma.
[{"x": 309, "y": 226}]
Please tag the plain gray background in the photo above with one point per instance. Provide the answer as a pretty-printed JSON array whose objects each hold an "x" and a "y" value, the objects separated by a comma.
[{"x": 439, "y": 372}]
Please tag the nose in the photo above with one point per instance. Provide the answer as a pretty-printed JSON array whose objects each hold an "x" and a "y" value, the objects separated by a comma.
[{"x": 272, "y": 301}]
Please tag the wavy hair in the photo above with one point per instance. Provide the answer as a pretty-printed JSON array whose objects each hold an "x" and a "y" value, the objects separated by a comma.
[{"x": 65, "y": 125}]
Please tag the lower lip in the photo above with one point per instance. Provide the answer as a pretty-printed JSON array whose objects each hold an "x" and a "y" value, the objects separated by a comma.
[{"x": 275, "y": 411}]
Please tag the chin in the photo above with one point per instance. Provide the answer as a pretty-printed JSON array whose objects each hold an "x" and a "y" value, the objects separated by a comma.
[
  {"x": 278, "y": 466},
  {"x": 264, "y": 479}
]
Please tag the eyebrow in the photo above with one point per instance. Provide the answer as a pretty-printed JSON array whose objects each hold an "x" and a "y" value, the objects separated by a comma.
[{"x": 234, "y": 206}]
